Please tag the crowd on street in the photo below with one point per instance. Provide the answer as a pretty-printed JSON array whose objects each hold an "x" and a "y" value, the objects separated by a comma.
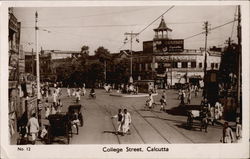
[{"x": 36, "y": 129}]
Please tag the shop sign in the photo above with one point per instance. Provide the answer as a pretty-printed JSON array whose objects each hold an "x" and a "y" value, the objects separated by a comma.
[{"x": 169, "y": 45}]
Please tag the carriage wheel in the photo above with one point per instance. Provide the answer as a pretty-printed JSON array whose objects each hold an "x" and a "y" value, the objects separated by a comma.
[
  {"x": 81, "y": 119},
  {"x": 67, "y": 133},
  {"x": 189, "y": 122}
]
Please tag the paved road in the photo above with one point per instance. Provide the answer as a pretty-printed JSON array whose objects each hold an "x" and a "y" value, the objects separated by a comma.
[{"x": 148, "y": 127}]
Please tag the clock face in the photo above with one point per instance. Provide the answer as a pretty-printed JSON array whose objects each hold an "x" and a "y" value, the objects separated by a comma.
[{"x": 164, "y": 49}]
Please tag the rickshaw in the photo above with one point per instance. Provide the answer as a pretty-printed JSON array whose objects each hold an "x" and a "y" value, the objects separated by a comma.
[
  {"x": 59, "y": 127},
  {"x": 75, "y": 116},
  {"x": 197, "y": 115}
]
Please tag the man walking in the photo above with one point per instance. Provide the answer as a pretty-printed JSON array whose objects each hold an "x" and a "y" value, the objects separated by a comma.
[
  {"x": 33, "y": 127},
  {"x": 126, "y": 121},
  {"x": 120, "y": 119}
]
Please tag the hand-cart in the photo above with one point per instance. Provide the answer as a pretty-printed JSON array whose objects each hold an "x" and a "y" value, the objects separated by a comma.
[{"x": 59, "y": 127}]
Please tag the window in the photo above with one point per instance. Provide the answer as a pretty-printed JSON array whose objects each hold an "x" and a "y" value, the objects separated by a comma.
[
  {"x": 193, "y": 64},
  {"x": 146, "y": 67},
  {"x": 212, "y": 65},
  {"x": 184, "y": 65},
  {"x": 175, "y": 65},
  {"x": 216, "y": 65},
  {"x": 200, "y": 65}
]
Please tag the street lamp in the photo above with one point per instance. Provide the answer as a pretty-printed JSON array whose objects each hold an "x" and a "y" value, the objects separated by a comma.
[
  {"x": 132, "y": 35},
  {"x": 37, "y": 59}
]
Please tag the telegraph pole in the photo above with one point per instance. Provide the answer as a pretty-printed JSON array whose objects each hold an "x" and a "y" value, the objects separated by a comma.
[
  {"x": 132, "y": 35},
  {"x": 205, "y": 59},
  {"x": 32, "y": 62},
  {"x": 238, "y": 111},
  {"x": 37, "y": 59}
]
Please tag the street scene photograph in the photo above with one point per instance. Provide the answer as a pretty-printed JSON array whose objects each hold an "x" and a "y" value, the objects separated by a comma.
[{"x": 125, "y": 75}]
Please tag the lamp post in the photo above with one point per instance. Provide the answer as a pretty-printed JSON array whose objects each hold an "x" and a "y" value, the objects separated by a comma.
[
  {"x": 37, "y": 59},
  {"x": 132, "y": 35}
]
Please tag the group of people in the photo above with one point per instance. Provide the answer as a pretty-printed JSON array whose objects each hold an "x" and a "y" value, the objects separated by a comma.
[
  {"x": 185, "y": 95},
  {"x": 123, "y": 122}
]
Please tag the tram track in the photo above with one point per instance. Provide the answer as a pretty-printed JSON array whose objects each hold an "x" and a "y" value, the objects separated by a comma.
[
  {"x": 158, "y": 117},
  {"x": 175, "y": 128},
  {"x": 106, "y": 110}
]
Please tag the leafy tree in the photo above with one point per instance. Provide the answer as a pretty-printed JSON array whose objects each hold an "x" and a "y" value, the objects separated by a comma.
[
  {"x": 228, "y": 63},
  {"x": 95, "y": 73},
  {"x": 103, "y": 54},
  {"x": 85, "y": 50}
]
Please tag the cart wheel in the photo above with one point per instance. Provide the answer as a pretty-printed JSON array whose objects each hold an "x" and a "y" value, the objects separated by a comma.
[
  {"x": 68, "y": 136},
  {"x": 81, "y": 119},
  {"x": 189, "y": 123}
]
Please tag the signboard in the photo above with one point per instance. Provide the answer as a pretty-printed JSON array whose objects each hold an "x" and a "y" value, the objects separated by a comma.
[
  {"x": 148, "y": 47},
  {"x": 169, "y": 45}
]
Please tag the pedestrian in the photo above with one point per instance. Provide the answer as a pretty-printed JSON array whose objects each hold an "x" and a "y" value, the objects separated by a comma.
[
  {"x": 68, "y": 91},
  {"x": 83, "y": 90},
  {"x": 53, "y": 109},
  {"x": 182, "y": 97},
  {"x": 196, "y": 90},
  {"x": 33, "y": 127},
  {"x": 227, "y": 134},
  {"x": 126, "y": 122},
  {"x": 54, "y": 97},
  {"x": 120, "y": 119},
  {"x": 59, "y": 105},
  {"x": 238, "y": 130},
  {"x": 47, "y": 109},
  {"x": 189, "y": 96},
  {"x": 163, "y": 103},
  {"x": 150, "y": 101},
  {"x": 78, "y": 96}
]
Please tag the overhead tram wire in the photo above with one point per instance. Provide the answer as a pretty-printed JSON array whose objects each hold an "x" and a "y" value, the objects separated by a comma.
[
  {"x": 93, "y": 15},
  {"x": 83, "y": 26},
  {"x": 189, "y": 37},
  {"x": 149, "y": 25}
]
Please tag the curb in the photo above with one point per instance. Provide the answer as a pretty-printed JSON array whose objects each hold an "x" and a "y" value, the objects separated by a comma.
[{"x": 129, "y": 95}]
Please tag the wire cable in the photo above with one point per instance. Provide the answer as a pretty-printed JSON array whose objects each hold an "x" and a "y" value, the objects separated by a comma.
[
  {"x": 189, "y": 37},
  {"x": 148, "y": 25}
]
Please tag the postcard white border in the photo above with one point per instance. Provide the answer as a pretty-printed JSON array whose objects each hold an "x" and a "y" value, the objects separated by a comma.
[{"x": 240, "y": 150}]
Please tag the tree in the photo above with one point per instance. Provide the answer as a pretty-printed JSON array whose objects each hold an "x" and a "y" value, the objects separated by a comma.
[
  {"x": 228, "y": 63},
  {"x": 103, "y": 54},
  {"x": 85, "y": 50},
  {"x": 95, "y": 73}
]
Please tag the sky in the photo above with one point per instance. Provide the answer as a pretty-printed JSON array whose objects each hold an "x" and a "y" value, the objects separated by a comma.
[{"x": 69, "y": 28}]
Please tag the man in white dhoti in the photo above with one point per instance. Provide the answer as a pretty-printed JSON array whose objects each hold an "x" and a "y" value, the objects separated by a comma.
[
  {"x": 54, "y": 97},
  {"x": 227, "y": 134},
  {"x": 33, "y": 127},
  {"x": 68, "y": 91},
  {"x": 126, "y": 121}
]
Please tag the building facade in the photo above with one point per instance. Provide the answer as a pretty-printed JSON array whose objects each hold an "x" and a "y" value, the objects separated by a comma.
[{"x": 167, "y": 62}]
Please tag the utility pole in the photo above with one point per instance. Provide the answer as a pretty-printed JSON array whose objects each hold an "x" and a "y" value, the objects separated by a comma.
[
  {"x": 205, "y": 59},
  {"x": 37, "y": 59},
  {"x": 132, "y": 35},
  {"x": 238, "y": 112},
  {"x": 105, "y": 70},
  {"x": 32, "y": 62}
]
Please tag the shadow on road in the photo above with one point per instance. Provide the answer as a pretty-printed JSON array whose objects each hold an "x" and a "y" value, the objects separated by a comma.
[
  {"x": 182, "y": 109},
  {"x": 112, "y": 132}
]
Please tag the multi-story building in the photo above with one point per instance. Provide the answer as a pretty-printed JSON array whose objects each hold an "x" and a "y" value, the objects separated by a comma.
[
  {"x": 15, "y": 110},
  {"x": 167, "y": 62}
]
